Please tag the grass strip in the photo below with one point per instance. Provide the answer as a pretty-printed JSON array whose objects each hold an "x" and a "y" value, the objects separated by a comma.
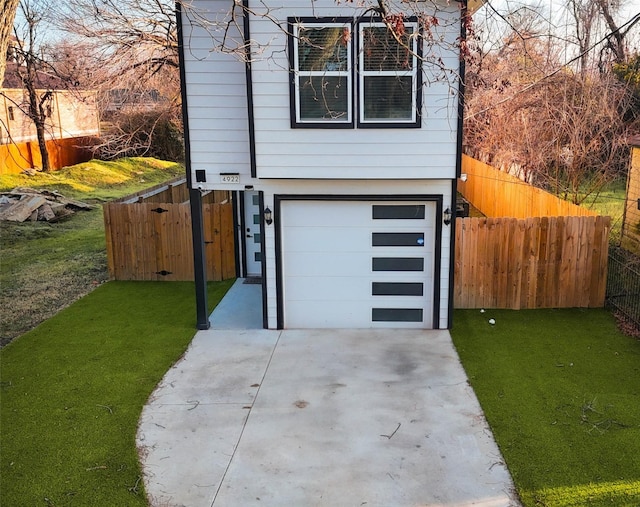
[
  {"x": 46, "y": 266},
  {"x": 72, "y": 391},
  {"x": 98, "y": 179},
  {"x": 561, "y": 392}
]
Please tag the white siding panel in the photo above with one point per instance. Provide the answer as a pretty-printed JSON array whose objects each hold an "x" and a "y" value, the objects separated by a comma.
[
  {"x": 379, "y": 167},
  {"x": 216, "y": 94},
  {"x": 404, "y": 152},
  {"x": 218, "y": 116},
  {"x": 282, "y": 151},
  {"x": 230, "y": 137},
  {"x": 439, "y": 141},
  {"x": 217, "y": 162}
]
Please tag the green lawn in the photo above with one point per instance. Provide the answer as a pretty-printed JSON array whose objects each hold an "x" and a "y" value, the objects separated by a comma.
[
  {"x": 610, "y": 202},
  {"x": 561, "y": 392},
  {"x": 72, "y": 391},
  {"x": 98, "y": 180},
  {"x": 46, "y": 266}
]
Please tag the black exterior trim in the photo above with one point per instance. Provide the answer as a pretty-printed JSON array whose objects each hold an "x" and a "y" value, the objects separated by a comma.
[
  {"x": 263, "y": 265},
  {"x": 461, "y": 93},
  {"x": 237, "y": 232},
  {"x": 243, "y": 236},
  {"x": 195, "y": 198},
  {"x": 249, "y": 79},
  {"x": 277, "y": 202},
  {"x": 388, "y": 125},
  {"x": 292, "y": 76},
  {"x": 437, "y": 265},
  {"x": 464, "y": 12},
  {"x": 277, "y": 209},
  {"x": 452, "y": 256}
]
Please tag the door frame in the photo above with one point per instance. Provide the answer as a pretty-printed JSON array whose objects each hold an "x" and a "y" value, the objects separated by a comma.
[
  {"x": 241, "y": 246},
  {"x": 437, "y": 253},
  {"x": 243, "y": 250}
]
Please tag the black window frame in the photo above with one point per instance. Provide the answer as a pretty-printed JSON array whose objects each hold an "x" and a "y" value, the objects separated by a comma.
[
  {"x": 293, "y": 24},
  {"x": 416, "y": 54},
  {"x": 356, "y": 113}
]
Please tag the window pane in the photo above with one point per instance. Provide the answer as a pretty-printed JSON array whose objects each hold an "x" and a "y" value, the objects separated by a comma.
[
  {"x": 323, "y": 49},
  {"x": 397, "y": 239},
  {"x": 397, "y": 264},
  {"x": 397, "y": 289},
  {"x": 396, "y": 314},
  {"x": 383, "y": 51},
  {"x": 323, "y": 98},
  {"x": 388, "y": 97},
  {"x": 398, "y": 211}
]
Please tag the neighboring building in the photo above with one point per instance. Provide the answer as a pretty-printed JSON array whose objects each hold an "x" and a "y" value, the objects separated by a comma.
[
  {"x": 343, "y": 151},
  {"x": 72, "y": 122},
  {"x": 631, "y": 221},
  {"x": 130, "y": 101}
]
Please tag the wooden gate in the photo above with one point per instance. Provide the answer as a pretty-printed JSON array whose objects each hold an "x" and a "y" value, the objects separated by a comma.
[{"x": 152, "y": 240}]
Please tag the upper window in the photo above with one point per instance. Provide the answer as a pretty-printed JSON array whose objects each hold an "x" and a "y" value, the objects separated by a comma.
[
  {"x": 388, "y": 75},
  {"x": 382, "y": 89},
  {"x": 322, "y": 77}
]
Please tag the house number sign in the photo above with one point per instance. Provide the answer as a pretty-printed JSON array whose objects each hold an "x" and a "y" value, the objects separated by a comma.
[{"x": 229, "y": 178}]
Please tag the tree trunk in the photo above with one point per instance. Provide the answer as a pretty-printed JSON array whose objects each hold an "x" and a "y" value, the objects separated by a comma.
[
  {"x": 36, "y": 112},
  {"x": 617, "y": 47},
  {"x": 7, "y": 14}
]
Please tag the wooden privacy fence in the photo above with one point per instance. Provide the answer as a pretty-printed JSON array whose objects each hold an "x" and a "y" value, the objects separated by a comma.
[
  {"x": 527, "y": 255},
  {"x": 16, "y": 157},
  {"x": 498, "y": 194},
  {"x": 152, "y": 240}
]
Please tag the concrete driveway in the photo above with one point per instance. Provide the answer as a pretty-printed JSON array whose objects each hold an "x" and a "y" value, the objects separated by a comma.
[{"x": 297, "y": 418}]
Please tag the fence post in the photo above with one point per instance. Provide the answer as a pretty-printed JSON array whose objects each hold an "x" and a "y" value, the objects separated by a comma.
[{"x": 199, "y": 259}]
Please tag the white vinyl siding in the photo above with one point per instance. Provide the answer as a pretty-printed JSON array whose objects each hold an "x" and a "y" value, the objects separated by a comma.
[
  {"x": 216, "y": 93},
  {"x": 324, "y": 153}
]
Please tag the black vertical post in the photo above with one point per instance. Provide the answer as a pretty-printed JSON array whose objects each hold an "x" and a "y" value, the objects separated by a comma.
[
  {"x": 459, "y": 147},
  {"x": 199, "y": 259},
  {"x": 195, "y": 197}
]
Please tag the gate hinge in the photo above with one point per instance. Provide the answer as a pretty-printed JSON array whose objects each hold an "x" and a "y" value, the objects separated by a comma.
[
  {"x": 164, "y": 272},
  {"x": 160, "y": 210}
]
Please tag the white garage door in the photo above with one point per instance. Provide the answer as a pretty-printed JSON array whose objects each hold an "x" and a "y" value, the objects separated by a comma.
[{"x": 357, "y": 264}]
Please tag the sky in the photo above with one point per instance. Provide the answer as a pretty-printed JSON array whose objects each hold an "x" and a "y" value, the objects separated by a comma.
[{"x": 557, "y": 22}]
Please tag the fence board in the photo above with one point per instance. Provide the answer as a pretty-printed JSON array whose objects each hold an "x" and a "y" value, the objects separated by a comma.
[
  {"x": 212, "y": 240},
  {"x": 498, "y": 194},
  {"x": 16, "y": 157},
  {"x": 146, "y": 245},
  {"x": 227, "y": 239},
  {"x": 548, "y": 262}
]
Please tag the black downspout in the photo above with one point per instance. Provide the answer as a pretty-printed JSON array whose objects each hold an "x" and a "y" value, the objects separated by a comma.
[
  {"x": 454, "y": 183},
  {"x": 249, "y": 80},
  {"x": 195, "y": 197}
]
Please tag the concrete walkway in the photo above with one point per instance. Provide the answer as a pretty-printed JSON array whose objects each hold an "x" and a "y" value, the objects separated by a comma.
[{"x": 297, "y": 418}]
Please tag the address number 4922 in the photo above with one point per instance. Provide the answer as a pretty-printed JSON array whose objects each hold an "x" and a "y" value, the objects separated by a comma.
[{"x": 229, "y": 178}]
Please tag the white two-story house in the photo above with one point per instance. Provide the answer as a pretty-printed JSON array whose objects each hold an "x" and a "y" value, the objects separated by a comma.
[{"x": 338, "y": 126}]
